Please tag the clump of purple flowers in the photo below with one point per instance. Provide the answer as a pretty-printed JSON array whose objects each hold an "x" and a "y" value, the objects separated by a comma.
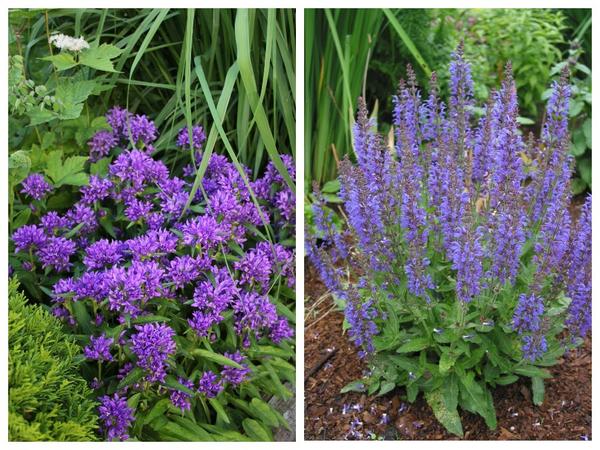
[
  {"x": 151, "y": 272},
  {"x": 36, "y": 186},
  {"x": 463, "y": 211},
  {"x": 115, "y": 416}
]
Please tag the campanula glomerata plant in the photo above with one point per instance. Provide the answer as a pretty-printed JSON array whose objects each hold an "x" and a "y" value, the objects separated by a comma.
[
  {"x": 461, "y": 268},
  {"x": 180, "y": 293}
]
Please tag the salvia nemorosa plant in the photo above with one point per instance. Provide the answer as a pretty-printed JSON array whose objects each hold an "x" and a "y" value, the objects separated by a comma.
[
  {"x": 180, "y": 297},
  {"x": 462, "y": 267}
]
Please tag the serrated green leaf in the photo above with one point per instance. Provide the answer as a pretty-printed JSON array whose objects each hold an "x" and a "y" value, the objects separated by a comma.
[
  {"x": 99, "y": 58},
  {"x": 62, "y": 61},
  {"x": 447, "y": 417}
]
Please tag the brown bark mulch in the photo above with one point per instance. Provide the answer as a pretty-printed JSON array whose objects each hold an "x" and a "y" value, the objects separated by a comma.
[{"x": 566, "y": 413}]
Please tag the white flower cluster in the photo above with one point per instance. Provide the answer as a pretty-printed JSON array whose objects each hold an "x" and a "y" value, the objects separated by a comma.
[{"x": 63, "y": 41}]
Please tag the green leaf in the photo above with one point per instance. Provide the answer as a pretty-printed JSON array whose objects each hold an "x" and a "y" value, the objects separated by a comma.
[
  {"x": 68, "y": 173},
  {"x": 507, "y": 379},
  {"x": 414, "y": 345},
  {"x": 386, "y": 387},
  {"x": 133, "y": 401},
  {"x": 134, "y": 376},
  {"x": 476, "y": 399},
  {"x": 331, "y": 187},
  {"x": 450, "y": 391},
  {"x": 578, "y": 186},
  {"x": 19, "y": 164},
  {"x": 215, "y": 357},
  {"x": 447, "y": 361},
  {"x": 537, "y": 386},
  {"x": 354, "y": 386},
  {"x": 219, "y": 409},
  {"x": 83, "y": 318},
  {"x": 587, "y": 132},
  {"x": 21, "y": 218},
  {"x": 157, "y": 410},
  {"x": 73, "y": 92},
  {"x": 585, "y": 170},
  {"x": 532, "y": 371},
  {"x": 525, "y": 121},
  {"x": 172, "y": 383},
  {"x": 185, "y": 430},
  {"x": 263, "y": 411},
  {"x": 447, "y": 417},
  {"x": 62, "y": 61},
  {"x": 99, "y": 58},
  {"x": 150, "y": 319},
  {"x": 256, "y": 431}
]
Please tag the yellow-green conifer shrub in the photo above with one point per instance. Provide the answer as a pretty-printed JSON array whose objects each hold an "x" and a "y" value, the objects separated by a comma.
[{"x": 48, "y": 399}]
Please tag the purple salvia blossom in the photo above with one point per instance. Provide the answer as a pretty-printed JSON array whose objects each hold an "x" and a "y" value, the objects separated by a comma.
[
  {"x": 360, "y": 316},
  {"x": 528, "y": 322},
  {"x": 579, "y": 274}
]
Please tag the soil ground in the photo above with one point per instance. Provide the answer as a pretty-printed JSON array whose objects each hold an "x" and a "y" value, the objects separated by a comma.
[{"x": 566, "y": 413}]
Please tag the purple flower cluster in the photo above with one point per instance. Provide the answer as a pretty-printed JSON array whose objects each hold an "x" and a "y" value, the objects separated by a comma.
[
  {"x": 99, "y": 348},
  {"x": 36, "y": 186},
  {"x": 152, "y": 345},
  {"x": 126, "y": 128},
  {"x": 464, "y": 198},
  {"x": 115, "y": 417},
  {"x": 181, "y": 399},
  {"x": 132, "y": 251}
]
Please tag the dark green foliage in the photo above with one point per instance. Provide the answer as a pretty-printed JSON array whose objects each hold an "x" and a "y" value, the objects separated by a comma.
[{"x": 48, "y": 400}]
